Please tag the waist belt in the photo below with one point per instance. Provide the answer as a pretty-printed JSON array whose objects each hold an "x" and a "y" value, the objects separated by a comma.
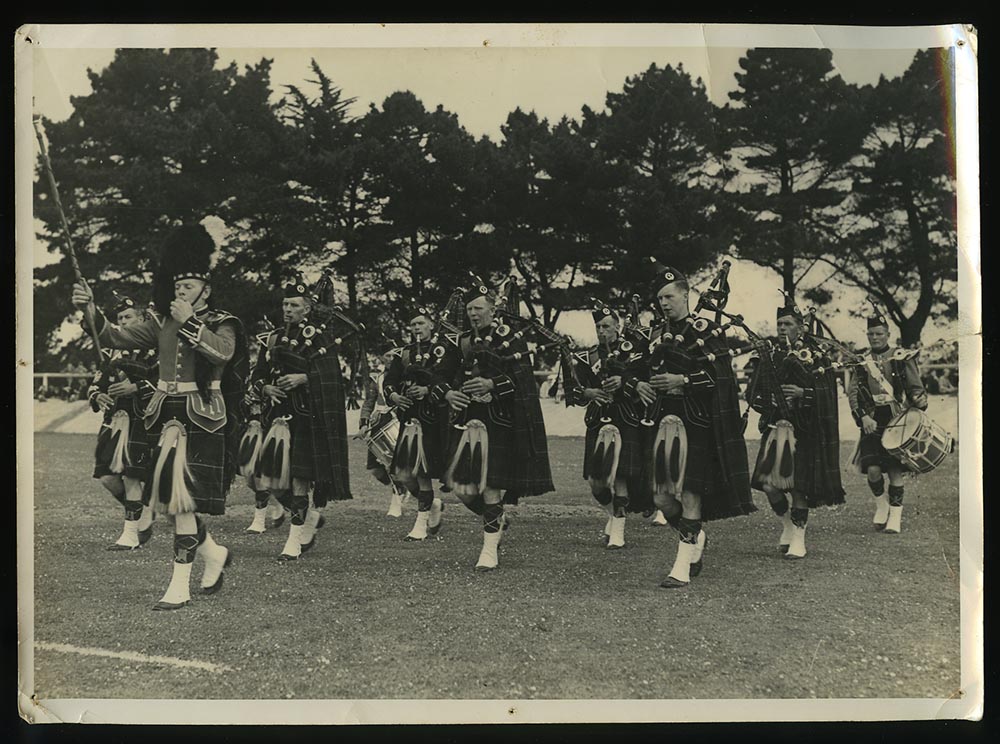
[
  {"x": 883, "y": 399},
  {"x": 172, "y": 388}
]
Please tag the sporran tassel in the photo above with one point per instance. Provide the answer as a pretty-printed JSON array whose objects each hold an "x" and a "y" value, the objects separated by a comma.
[
  {"x": 170, "y": 474},
  {"x": 410, "y": 459},
  {"x": 120, "y": 424},
  {"x": 250, "y": 449},
  {"x": 275, "y": 462},
  {"x": 777, "y": 469},
  {"x": 605, "y": 458},
  {"x": 671, "y": 448},
  {"x": 466, "y": 474}
]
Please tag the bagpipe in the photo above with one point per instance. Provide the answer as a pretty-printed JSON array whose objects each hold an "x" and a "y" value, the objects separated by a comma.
[
  {"x": 671, "y": 351},
  {"x": 346, "y": 333},
  {"x": 509, "y": 325}
]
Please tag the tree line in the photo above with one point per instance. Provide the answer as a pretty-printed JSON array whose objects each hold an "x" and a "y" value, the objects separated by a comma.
[{"x": 799, "y": 170}]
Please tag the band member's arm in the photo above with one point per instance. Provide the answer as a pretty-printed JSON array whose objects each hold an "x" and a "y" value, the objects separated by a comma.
[
  {"x": 258, "y": 373},
  {"x": 143, "y": 335},
  {"x": 371, "y": 397},
  {"x": 915, "y": 390},
  {"x": 97, "y": 386},
  {"x": 574, "y": 391},
  {"x": 145, "y": 381},
  {"x": 854, "y": 397},
  {"x": 393, "y": 378},
  {"x": 217, "y": 346},
  {"x": 445, "y": 371}
]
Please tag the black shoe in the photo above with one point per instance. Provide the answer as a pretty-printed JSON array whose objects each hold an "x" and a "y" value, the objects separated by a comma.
[
  {"x": 782, "y": 549},
  {"x": 879, "y": 527},
  {"x": 145, "y": 534},
  {"x": 286, "y": 558},
  {"x": 671, "y": 583},
  {"x": 309, "y": 544},
  {"x": 278, "y": 522},
  {"x": 115, "y": 547},
  {"x": 320, "y": 522},
  {"x": 218, "y": 582},
  {"x": 696, "y": 566},
  {"x": 161, "y": 605}
]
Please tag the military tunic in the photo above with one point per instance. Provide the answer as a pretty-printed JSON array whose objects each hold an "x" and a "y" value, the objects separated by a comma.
[
  {"x": 211, "y": 334},
  {"x": 868, "y": 398}
]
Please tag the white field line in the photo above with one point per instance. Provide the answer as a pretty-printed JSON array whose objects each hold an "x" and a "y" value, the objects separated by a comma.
[{"x": 133, "y": 656}]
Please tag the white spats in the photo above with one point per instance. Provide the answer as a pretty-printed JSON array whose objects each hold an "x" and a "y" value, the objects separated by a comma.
[
  {"x": 309, "y": 527},
  {"x": 881, "y": 511},
  {"x": 658, "y": 519},
  {"x": 259, "y": 523},
  {"x": 894, "y": 523},
  {"x": 129, "y": 537},
  {"x": 786, "y": 531},
  {"x": 293, "y": 545},
  {"x": 607, "y": 529},
  {"x": 797, "y": 543},
  {"x": 681, "y": 571},
  {"x": 616, "y": 535},
  {"x": 215, "y": 557},
  {"x": 395, "y": 505},
  {"x": 146, "y": 518},
  {"x": 488, "y": 558},
  {"x": 419, "y": 531},
  {"x": 275, "y": 511},
  {"x": 178, "y": 593},
  {"x": 434, "y": 520},
  {"x": 699, "y": 547}
]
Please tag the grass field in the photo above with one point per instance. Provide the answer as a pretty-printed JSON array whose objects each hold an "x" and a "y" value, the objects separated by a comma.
[{"x": 366, "y": 615}]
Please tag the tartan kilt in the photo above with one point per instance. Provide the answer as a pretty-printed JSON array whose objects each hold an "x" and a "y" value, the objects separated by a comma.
[
  {"x": 499, "y": 462},
  {"x": 809, "y": 481},
  {"x": 632, "y": 463},
  {"x": 137, "y": 451},
  {"x": 870, "y": 449},
  {"x": 205, "y": 456},
  {"x": 301, "y": 464},
  {"x": 703, "y": 473}
]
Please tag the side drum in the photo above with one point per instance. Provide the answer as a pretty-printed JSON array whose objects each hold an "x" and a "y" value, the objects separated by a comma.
[
  {"x": 381, "y": 438},
  {"x": 917, "y": 441}
]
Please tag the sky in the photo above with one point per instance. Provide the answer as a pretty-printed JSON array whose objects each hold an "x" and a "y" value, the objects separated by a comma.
[{"x": 482, "y": 85}]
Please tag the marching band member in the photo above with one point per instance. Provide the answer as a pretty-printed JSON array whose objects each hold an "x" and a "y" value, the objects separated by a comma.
[
  {"x": 613, "y": 459},
  {"x": 698, "y": 457},
  {"x": 265, "y": 506},
  {"x": 799, "y": 456},
  {"x": 202, "y": 362},
  {"x": 413, "y": 372},
  {"x": 373, "y": 413},
  {"x": 298, "y": 378},
  {"x": 888, "y": 380},
  {"x": 500, "y": 443},
  {"x": 121, "y": 392}
]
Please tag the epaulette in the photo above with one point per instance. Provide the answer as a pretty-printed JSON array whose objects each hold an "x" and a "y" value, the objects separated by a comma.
[
  {"x": 218, "y": 316},
  {"x": 901, "y": 354}
]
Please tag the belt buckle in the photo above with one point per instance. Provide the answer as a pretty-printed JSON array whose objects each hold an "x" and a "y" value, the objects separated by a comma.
[{"x": 171, "y": 387}]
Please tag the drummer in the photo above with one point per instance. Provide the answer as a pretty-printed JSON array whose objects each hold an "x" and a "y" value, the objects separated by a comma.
[
  {"x": 887, "y": 381},
  {"x": 374, "y": 413}
]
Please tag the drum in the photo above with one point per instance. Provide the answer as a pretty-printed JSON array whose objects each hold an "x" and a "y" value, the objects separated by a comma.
[
  {"x": 381, "y": 438},
  {"x": 916, "y": 441}
]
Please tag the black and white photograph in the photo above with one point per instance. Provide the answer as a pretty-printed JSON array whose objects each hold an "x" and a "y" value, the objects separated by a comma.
[{"x": 515, "y": 373}]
